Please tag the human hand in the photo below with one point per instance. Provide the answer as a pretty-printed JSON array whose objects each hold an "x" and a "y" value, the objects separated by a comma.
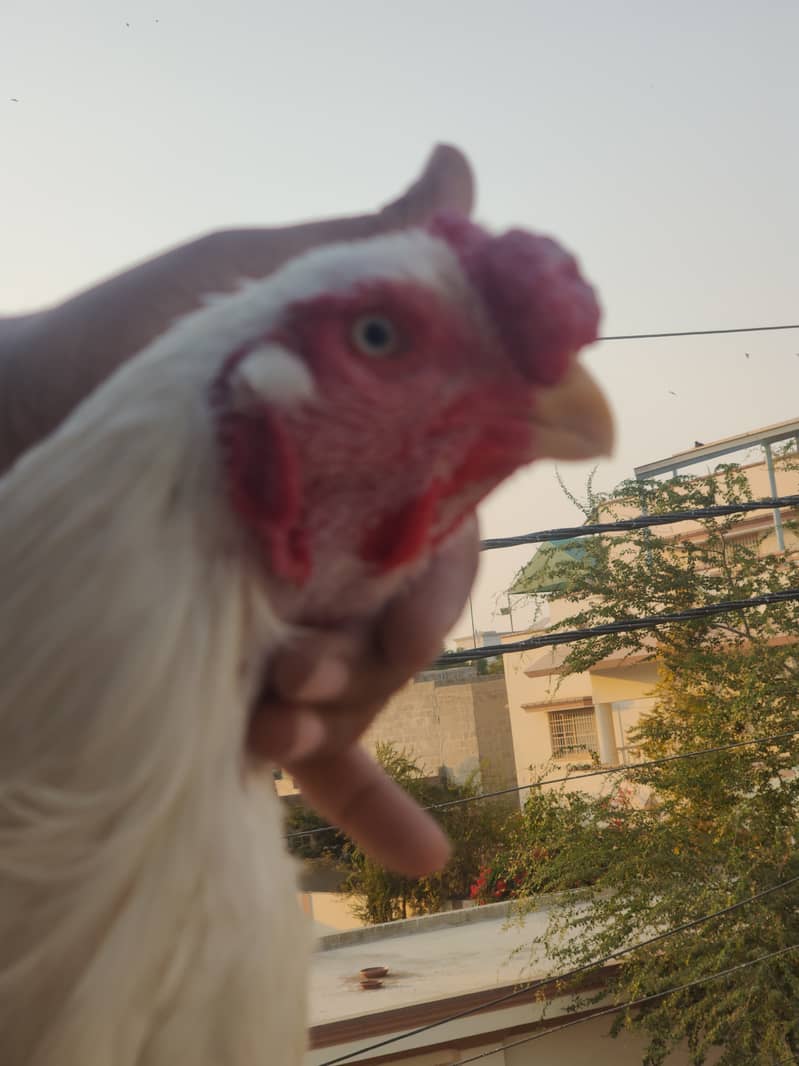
[{"x": 327, "y": 692}]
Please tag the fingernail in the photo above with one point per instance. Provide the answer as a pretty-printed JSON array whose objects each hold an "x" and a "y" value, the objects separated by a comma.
[
  {"x": 430, "y": 165},
  {"x": 433, "y": 160},
  {"x": 445, "y": 182},
  {"x": 327, "y": 680}
]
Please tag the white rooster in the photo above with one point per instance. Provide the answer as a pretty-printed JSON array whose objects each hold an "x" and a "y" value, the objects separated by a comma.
[{"x": 285, "y": 456}]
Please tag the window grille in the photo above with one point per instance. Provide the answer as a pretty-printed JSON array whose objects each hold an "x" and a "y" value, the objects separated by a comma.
[
  {"x": 573, "y": 731},
  {"x": 748, "y": 540}
]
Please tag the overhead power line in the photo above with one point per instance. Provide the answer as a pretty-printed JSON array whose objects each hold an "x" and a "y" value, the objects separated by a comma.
[
  {"x": 569, "y": 637},
  {"x": 605, "y": 771},
  {"x": 639, "y": 1002},
  {"x": 576, "y": 971},
  {"x": 568, "y": 778},
  {"x": 640, "y": 522},
  {"x": 625, "y": 625},
  {"x": 695, "y": 333}
]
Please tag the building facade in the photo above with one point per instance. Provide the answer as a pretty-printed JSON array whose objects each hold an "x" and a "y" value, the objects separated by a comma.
[
  {"x": 454, "y": 722},
  {"x": 560, "y": 721}
]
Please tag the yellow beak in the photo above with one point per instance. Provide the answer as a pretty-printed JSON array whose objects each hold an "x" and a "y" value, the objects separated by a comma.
[{"x": 572, "y": 419}]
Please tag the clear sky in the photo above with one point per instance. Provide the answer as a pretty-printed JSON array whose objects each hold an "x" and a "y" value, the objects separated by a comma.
[{"x": 658, "y": 141}]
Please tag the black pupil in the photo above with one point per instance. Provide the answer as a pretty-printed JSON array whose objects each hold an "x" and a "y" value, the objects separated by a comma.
[{"x": 377, "y": 334}]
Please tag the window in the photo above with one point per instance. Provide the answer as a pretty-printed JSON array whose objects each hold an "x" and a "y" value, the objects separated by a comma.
[
  {"x": 626, "y": 714},
  {"x": 573, "y": 731},
  {"x": 748, "y": 540}
]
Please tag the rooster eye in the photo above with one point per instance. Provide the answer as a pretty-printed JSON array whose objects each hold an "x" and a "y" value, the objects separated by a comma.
[{"x": 375, "y": 335}]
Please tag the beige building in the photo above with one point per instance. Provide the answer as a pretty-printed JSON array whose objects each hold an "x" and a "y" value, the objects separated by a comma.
[
  {"x": 454, "y": 722},
  {"x": 560, "y": 721}
]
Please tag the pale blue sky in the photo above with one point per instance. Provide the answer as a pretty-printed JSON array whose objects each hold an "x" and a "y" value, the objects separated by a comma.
[{"x": 658, "y": 141}]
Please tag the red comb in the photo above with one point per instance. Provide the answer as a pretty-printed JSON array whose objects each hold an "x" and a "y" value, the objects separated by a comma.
[{"x": 542, "y": 308}]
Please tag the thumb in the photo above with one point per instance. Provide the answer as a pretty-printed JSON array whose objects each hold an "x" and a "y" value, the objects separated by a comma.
[
  {"x": 77, "y": 344},
  {"x": 446, "y": 183}
]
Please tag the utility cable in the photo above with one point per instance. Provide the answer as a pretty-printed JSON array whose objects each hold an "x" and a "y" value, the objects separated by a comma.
[
  {"x": 605, "y": 771},
  {"x": 577, "y": 971},
  {"x": 634, "y": 1003},
  {"x": 624, "y": 625},
  {"x": 643, "y": 521}
]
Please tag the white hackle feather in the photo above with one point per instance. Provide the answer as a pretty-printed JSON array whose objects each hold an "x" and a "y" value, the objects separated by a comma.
[{"x": 148, "y": 912}]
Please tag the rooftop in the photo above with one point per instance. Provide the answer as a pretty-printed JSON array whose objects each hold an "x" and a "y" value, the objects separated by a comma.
[
  {"x": 702, "y": 452},
  {"x": 437, "y": 965},
  {"x": 545, "y": 571},
  {"x": 427, "y": 960}
]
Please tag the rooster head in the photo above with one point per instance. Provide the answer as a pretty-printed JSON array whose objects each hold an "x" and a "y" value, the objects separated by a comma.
[{"x": 402, "y": 379}]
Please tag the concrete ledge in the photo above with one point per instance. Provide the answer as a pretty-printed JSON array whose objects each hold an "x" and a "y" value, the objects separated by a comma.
[{"x": 427, "y": 923}]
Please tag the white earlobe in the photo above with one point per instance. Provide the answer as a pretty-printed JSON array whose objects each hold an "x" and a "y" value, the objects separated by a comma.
[{"x": 272, "y": 374}]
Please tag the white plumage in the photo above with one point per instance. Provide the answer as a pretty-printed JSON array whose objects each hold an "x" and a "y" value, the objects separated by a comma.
[
  {"x": 147, "y": 909},
  {"x": 147, "y": 906}
]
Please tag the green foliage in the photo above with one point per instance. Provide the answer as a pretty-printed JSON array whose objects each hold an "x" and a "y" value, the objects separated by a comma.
[
  {"x": 329, "y": 846},
  {"x": 475, "y": 831},
  {"x": 562, "y": 840},
  {"x": 491, "y": 667},
  {"x": 719, "y": 827}
]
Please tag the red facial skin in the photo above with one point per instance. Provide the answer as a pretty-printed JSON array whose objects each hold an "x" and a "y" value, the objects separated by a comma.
[{"x": 398, "y": 449}]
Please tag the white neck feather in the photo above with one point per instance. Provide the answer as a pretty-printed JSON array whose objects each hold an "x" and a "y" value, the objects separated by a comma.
[{"x": 142, "y": 889}]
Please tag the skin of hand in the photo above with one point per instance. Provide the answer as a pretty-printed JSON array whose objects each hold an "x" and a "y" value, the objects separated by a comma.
[{"x": 329, "y": 687}]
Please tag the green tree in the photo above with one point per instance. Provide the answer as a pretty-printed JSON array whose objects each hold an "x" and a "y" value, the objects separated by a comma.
[
  {"x": 476, "y": 831},
  {"x": 563, "y": 839},
  {"x": 311, "y": 838},
  {"x": 720, "y": 827}
]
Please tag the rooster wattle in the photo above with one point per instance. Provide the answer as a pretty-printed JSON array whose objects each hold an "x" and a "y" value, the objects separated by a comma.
[{"x": 287, "y": 456}]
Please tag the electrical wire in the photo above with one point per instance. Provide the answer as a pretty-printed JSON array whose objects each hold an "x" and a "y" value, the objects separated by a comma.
[
  {"x": 577, "y": 971},
  {"x": 571, "y": 635},
  {"x": 694, "y": 333},
  {"x": 667, "y": 518},
  {"x": 625, "y": 625},
  {"x": 634, "y": 1003},
  {"x": 604, "y": 772}
]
